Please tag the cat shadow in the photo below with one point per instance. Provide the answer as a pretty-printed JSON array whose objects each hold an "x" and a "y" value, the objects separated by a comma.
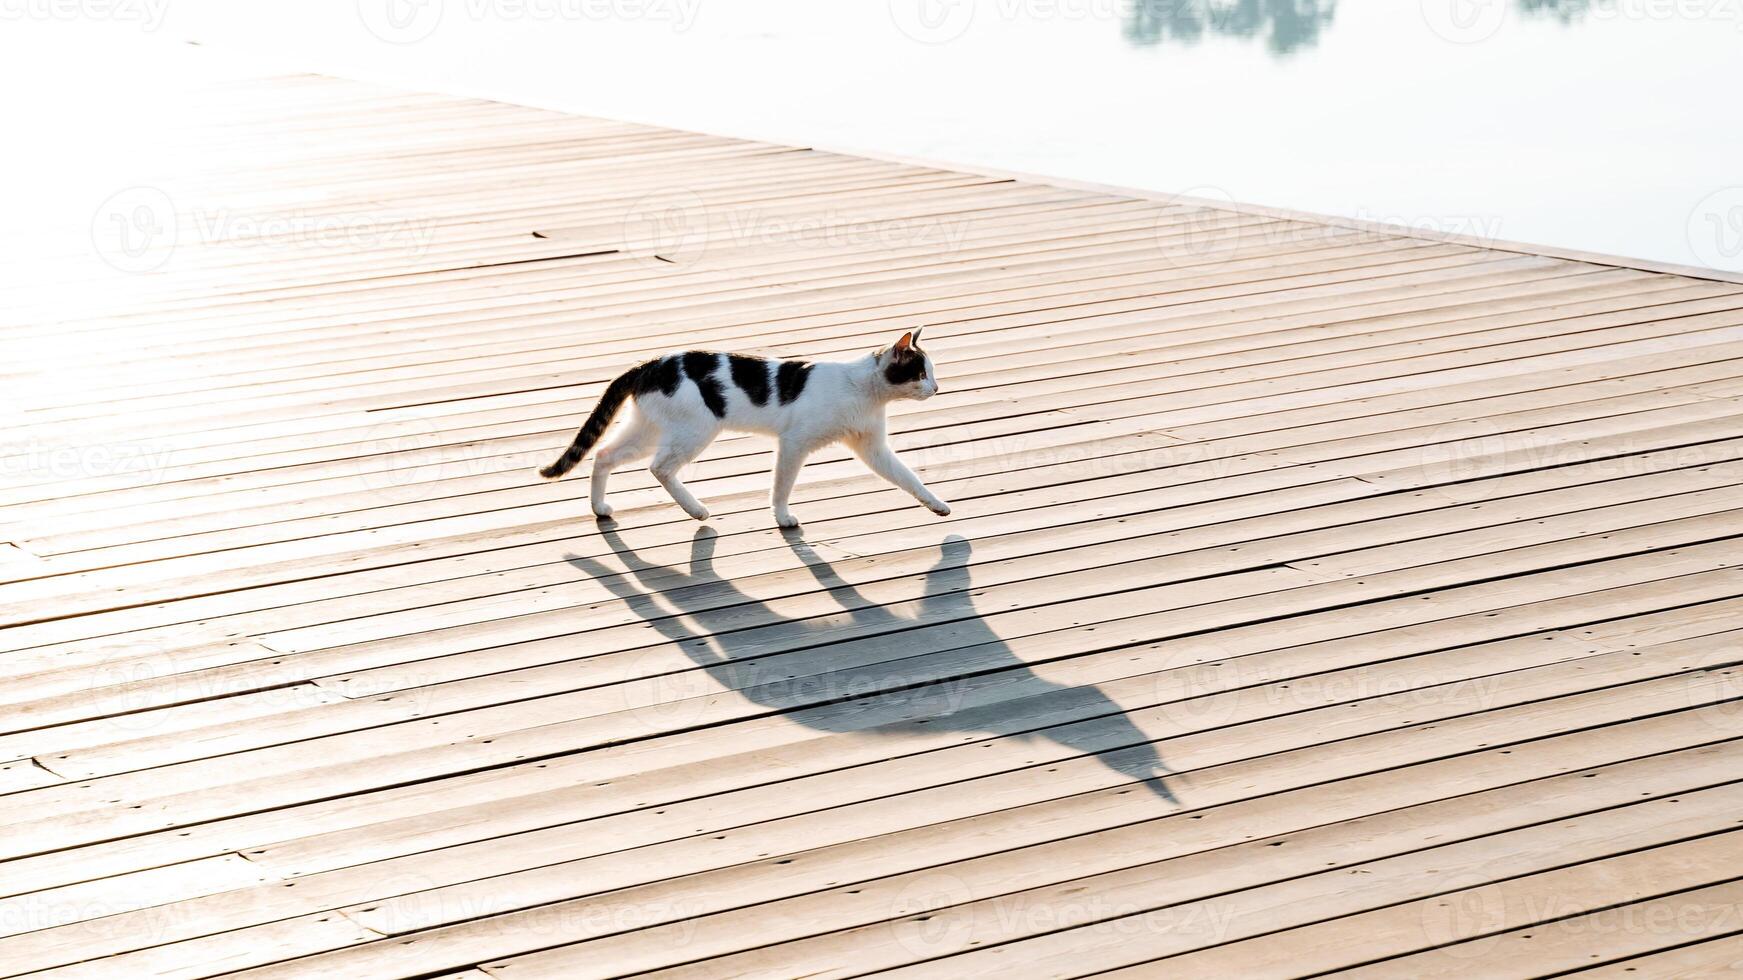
[{"x": 939, "y": 668}]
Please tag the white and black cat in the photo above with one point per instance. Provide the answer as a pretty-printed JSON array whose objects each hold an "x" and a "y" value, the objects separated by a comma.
[{"x": 682, "y": 401}]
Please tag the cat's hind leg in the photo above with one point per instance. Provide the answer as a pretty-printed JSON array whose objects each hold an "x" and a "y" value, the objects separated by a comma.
[
  {"x": 632, "y": 441},
  {"x": 679, "y": 444}
]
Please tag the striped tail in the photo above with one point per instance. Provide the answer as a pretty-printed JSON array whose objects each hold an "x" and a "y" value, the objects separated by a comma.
[{"x": 595, "y": 426}]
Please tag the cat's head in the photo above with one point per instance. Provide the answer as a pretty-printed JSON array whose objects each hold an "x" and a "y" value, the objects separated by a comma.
[{"x": 906, "y": 370}]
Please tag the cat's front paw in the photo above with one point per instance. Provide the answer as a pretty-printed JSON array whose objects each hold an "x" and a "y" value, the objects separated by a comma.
[
  {"x": 786, "y": 520},
  {"x": 938, "y": 507},
  {"x": 602, "y": 511}
]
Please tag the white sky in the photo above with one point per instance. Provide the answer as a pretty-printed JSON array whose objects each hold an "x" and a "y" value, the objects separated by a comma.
[{"x": 1621, "y": 133}]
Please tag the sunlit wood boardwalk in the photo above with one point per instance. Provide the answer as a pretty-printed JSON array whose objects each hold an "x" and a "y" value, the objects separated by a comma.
[{"x": 1315, "y": 599}]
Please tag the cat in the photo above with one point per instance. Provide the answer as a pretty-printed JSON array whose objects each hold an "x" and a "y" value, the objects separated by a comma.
[{"x": 683, "y": 400}]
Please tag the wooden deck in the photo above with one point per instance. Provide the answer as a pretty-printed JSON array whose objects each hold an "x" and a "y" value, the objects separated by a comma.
[{"x": 1315, "y": 599}]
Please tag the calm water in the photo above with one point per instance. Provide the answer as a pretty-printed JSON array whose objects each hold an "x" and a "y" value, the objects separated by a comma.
[{"x": 1610, "y": 125}]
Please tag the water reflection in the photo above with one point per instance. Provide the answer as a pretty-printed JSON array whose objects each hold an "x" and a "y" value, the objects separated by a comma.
[
  {"x": 1285, "y": 24},
  {"x": 1566, "y": 11}
]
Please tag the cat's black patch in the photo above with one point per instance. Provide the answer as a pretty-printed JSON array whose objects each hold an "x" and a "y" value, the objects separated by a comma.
[
  {"x": 790, "y": 379},
  {"x": 659, "y": 375},
  {"x": 904, "y": 369},
  {"x": 699, "y": 366},
  {"x": 751, "y": 374}
]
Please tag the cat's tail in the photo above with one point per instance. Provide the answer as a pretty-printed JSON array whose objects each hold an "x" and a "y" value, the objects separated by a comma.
[{"x": 595, "y": 426}]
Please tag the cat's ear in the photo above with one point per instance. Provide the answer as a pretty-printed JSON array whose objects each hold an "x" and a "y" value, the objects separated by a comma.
[
  {"x": 916, "y": 335},
  {"x": 905, "y": 346}
]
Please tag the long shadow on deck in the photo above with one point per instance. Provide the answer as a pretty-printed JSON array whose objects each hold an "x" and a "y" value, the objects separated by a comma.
[{"x": 729, "y": 634}]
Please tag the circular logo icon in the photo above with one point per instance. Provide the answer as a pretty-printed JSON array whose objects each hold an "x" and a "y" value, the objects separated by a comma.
[
  {"x": 1201, "y": 695},
  {"x": 667, "y": 228},
  {"x": 1194, "y": 227},
  {"x": 1716, "y": 684},
  {"x": 931, "y": 920},
  {"x": 932, "y": 21},
  {"x": 1464, "y": 21},
  {"x": 412, "y": 901},
  {"x": 135, "y": 230},
  {"x": 1464, "y": 921},
  {"x": 664, "y": 698},
  {"x": 1460, "y": 452},
  {"x": 1715, "y": 230},
  {"x": 397, "y": 460},
  {"x": 400, "y": 21}
]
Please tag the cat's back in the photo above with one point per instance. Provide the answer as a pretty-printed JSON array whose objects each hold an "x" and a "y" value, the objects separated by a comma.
[{"x": 741, "y": 391}]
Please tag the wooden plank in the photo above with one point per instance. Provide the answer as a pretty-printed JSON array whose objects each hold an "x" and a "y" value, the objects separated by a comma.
[
  {"x": 875, "y": 901},
  {"x": 492, "y": 893},
  {"x": 517, "y": 782},
  {"x": 1717, "y": 957},
  {"x": 1628, "y": 933}
]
